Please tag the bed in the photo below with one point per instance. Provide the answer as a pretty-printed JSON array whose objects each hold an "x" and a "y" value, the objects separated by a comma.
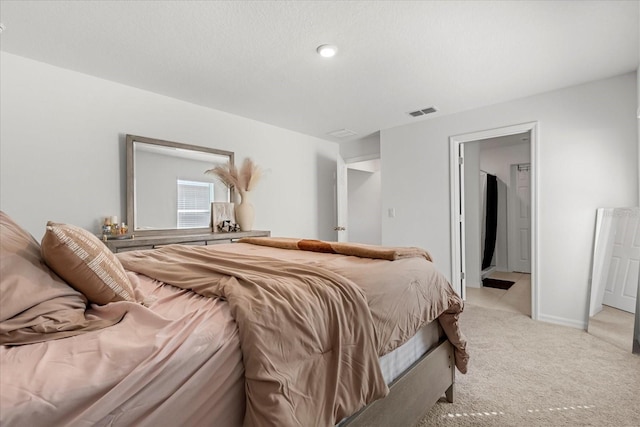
[{"x": 263, "y": 332}]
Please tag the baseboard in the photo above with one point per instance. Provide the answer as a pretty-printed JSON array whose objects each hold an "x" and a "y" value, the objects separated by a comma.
[
  {"x": 487, "y": 271},
  {"x": 577, "y": 324}
]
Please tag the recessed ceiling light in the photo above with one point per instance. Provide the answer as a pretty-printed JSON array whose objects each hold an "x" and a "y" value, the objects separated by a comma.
[{"x": 327, "y": 50}]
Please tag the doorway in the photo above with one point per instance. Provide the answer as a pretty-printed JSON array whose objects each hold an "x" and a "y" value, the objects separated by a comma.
[
  {"x": 465, "y": 178},
  {"x": 359, "y": 200}
]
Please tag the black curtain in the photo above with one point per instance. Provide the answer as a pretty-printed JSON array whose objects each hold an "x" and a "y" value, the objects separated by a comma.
[{"x": 491, "y": 225}]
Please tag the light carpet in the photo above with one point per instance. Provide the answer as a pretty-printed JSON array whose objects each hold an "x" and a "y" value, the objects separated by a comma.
[{"x": 529, "y": 373}]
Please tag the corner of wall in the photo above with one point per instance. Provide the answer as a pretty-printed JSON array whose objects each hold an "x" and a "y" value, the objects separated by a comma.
[
  {"x": 562, "y": 321},
  {"x": 367, "y": 147}
]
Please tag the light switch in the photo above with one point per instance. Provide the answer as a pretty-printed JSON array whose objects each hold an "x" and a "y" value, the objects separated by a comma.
[{"x": 392, "y": 212}]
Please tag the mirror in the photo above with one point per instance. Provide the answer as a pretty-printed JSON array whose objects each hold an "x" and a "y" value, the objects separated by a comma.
[
  {"x": 168, "y": 191},
  {"x": 612, "y": 311},
  {"x": 636, "y": 333}
]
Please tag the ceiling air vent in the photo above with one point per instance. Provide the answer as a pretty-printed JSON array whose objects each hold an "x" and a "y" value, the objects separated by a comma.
[{"x": 422, "y": 112}]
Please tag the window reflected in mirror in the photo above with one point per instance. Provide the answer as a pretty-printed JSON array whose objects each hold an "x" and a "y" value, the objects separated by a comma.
[{"x": 194, "y": 203}]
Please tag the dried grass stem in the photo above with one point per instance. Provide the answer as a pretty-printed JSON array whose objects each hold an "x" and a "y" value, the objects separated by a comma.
[{"x": 244, "y": 179}]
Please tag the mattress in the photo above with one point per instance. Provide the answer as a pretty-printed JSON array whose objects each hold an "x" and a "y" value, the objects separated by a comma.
[{"x": 399, "y": 360}]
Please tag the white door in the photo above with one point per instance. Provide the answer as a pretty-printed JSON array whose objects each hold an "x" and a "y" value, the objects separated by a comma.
[
  {"x": 519, "y": 257},
  {"x": 621, "y": 288},
  {"x": 342, "y": 198}
]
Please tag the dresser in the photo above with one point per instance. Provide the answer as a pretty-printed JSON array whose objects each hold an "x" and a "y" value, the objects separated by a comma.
[{"x": 202, "y": 239}]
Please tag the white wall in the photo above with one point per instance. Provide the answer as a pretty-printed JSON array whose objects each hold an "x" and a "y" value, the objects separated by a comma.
[
  {"x": 364, "y": 221},
  {"x": 498, "y": 160},
  {"x": 62, "y": 151},
  {"x": 587, "y": 158}
]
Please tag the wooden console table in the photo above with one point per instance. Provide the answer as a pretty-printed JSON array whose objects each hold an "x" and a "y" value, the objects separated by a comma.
[{"x": 202, "y": 239}]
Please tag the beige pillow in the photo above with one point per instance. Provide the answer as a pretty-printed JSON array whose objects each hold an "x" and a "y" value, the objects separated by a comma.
[
  {"x": 86, "y": 264},
  {"x": 35, "y": 304}
]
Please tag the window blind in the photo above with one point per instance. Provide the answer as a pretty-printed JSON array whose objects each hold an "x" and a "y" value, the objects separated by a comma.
[{"x": 194, "y": 204}]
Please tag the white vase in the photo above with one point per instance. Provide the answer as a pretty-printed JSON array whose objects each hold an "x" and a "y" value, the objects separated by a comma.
[{"x": 245, "y": 213}]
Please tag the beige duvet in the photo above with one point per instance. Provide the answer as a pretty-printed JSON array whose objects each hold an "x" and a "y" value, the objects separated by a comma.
[{"x": 311, "y": 325}]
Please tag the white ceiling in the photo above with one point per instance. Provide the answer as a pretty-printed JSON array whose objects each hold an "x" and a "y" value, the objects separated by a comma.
[{"x": 258, "y": 59}]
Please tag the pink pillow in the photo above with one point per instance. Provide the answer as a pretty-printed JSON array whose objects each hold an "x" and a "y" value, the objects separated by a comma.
[
  {"x": 35, "y": 304},
  {"x": 86, "y": 264}
]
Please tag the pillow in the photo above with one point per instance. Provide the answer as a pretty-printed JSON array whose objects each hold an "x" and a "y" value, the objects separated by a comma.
[
  {"x": 35, "y": 304},
  {"x": 86, "y": 264}
]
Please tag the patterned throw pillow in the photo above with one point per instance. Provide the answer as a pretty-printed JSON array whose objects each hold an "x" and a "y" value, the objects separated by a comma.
[{"x": 86, "y": 264}]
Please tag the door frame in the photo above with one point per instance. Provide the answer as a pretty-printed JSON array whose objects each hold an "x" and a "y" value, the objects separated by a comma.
[
  {"x": 341, "y": 201},
  {"x": 457, "y": 204}
]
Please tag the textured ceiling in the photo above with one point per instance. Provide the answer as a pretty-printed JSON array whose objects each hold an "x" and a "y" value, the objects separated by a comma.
[{"x": 257, "y": 59}]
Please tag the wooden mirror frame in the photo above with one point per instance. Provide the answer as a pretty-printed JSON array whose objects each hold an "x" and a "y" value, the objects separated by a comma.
[{"x": 131, "y": 214}]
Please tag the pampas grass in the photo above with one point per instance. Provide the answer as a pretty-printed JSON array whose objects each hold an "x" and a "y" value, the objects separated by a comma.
[
  {"x": 228, "y": 174},
  {"x": 243, "y": 179}
]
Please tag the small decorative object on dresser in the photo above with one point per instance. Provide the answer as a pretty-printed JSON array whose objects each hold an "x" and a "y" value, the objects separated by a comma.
[
  {"x": 227, "y": 226},
  {"x": 111, "y": 230},
  {"x": 245, "y": 212},
  {"x": 222, "y": 212},
  {"x": 244, "y": 181}
]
